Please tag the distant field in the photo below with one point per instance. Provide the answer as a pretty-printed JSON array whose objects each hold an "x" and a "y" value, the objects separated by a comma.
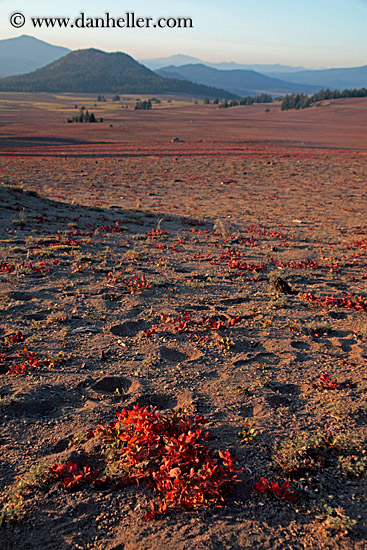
[
  {"x": 220, "y": 278},
  {"x": 337, "y": 124}
]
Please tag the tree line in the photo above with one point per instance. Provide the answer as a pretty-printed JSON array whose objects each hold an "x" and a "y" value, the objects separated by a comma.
[
  {"x": 302, "y": 101},
  {"x": 84, "y": 116},
  {"x": 248, "y": 100}
]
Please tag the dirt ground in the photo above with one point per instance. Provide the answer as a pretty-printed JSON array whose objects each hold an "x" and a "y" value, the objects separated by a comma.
[{"x": 224, "y": 275}]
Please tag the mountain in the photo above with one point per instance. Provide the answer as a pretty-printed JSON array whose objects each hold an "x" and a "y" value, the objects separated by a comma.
[
  {"x": 239, "y": 82},
  {"x": 25, "y": 54},
  {"x": 178, "y": 60},
  {"x": 260, "y": 68},
  {"x": 94, "y": 71},
  {"x": 340, "y": 79}
]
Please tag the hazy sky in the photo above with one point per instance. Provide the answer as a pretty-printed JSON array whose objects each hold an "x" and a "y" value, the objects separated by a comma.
[{"x": 313, "y": 33}]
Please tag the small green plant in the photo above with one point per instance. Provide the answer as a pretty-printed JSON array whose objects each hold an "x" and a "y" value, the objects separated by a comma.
[
  {"x": 361, "y": 332},
  {"x": 316, "y": 329},
  {"x": 14, "y": 500},
  {"x": 278, "y": 302},
  {"x": 338, "y": 409},
  {"x": 292, "y": 325},
  {"x": 226, "y": 343},
  {"x": 264, "y": 381},
  {"x": 335, "y": 520},
  {"x": 248, "y": 432},
  {"x": 300, "y": 454},
  {"x": 58, "y": 317},
  {"x": 243, "y": 389},
  {"x": 74, "y": 441},
  {"x": 353, "y": 466},
  {"x": 309, "y": 452},
  {"x": 21, "y": 219}
]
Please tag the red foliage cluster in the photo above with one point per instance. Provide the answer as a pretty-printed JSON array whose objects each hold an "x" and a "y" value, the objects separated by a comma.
[
  {"x": 170, "y": 454},
  {"x": 308, "y": 264},
  {"x": 325, "y": 383},
  {"x": 349, "y": 302},
  {"x": 231, "y": 254},
  {"x": 250, "y": 242},
  {"x": 234, "y": 256},
  {"x": 272, "y": 488},
  {"x": 358, "y": 244},
  {"x": 156, "y": 233},
  {"x": 14, "y": 338},
  {"x": 73, "y": 479},
  {"x": 185, "y": 323},
  {"x": 132, "y": 285},
  {"x": 198, "y": 231},
  {"x": 258, "y": 230},
  {"x": 67, "y": 242},
  {"x": 180, "y": 323},
  {"x": 303, "y": 264},
  {"x": 244, "y": 266},
  {"x": 200, "y": 256},
  {"x": 6, "y": 268},
  {"x": 115, "y": 228},
  {"x": 40, "y": 268},
  {"x": 30, "y": 363}
]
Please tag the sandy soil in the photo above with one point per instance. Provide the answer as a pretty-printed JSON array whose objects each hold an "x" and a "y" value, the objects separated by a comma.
[{"x": 261, "y": 241}]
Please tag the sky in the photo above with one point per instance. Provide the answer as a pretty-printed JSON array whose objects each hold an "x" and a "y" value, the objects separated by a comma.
[{"x": 310, "y": 33}]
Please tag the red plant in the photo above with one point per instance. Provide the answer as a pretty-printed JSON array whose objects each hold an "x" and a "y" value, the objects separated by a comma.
[
  {"x": 151, "y": 332},
  {"x": 358, "y": 244},
  {"x": 73, "y": 478},
  {"x": 170, "y": 454},
  {"x": 325, "y": 383},
  {"x": 156, "y": 233},
  {"x": 31, "y": 363},
  {"x": 244, "y": 266},
  {"x": 40, "y": 268},
  {"x": 349, "y": 302},
  {"x": 133, "y": 285},
  {"x": 6, "y": 268},
  {"x": 272, "y": 488},
  {"x": 14, "y": 338},
  {"x": 115, "y": 228},
  {"x": 184, "y": 323}
]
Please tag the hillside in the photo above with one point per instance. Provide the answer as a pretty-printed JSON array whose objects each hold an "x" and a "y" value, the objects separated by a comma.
[
  {"x": 178, "y": 60},
  {"x": 24, "y": 54},
  {"x": 239, "y": 82},
  {"x": 94, "y": 71},
  {"x": 340, "y": 79}
]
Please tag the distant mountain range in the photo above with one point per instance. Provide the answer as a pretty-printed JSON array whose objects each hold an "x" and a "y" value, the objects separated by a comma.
[
  {"x": 178, "y": 60},
  {"x": 25, "y": 54},
  {"x": 94, "y": 71},
  {"x": 335, "y": 79},
  {"x": 186, "y": 74},
  {"x": 240, "y": 82}
]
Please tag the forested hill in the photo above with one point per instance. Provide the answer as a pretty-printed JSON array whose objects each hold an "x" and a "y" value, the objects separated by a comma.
[{"x": 94, "y": 71}]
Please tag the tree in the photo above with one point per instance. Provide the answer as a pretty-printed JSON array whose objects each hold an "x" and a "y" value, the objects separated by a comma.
[{"x": 143, "y": 105}]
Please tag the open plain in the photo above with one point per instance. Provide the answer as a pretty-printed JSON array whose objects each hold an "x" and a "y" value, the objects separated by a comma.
[{"x": 223, "y": 276}]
